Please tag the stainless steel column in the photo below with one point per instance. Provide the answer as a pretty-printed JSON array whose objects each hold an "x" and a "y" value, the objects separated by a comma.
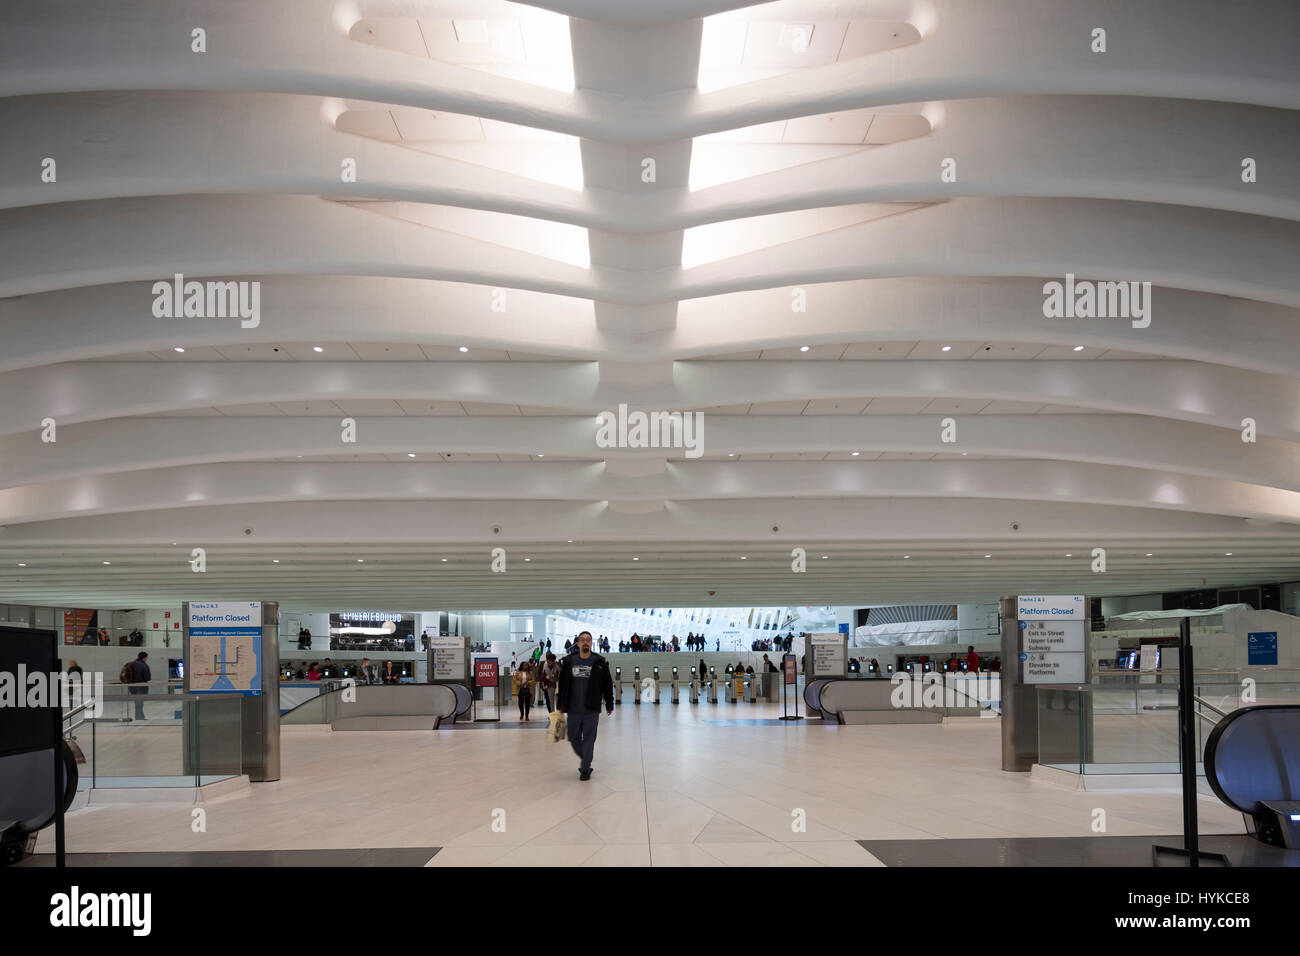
[
  {"x": 1020, "y": 743},
  {"x": 261, "y": 724},
  {"x": 1019, "y": 719}
]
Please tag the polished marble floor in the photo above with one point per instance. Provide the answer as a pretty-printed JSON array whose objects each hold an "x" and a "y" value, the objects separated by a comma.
[{"x": 687, "y": 785}]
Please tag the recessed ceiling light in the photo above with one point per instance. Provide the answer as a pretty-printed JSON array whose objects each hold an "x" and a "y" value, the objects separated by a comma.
[
  {"x": 855, "y": 454},
  {"x": 541, "y": 456},
  {"x": 825, "y": 556},
  {"x": 178, "y": 349},
  {"x": 1078, "y": 348},
  {"x": 361, "y": 560},
  {"x": 803, "y": 348},
  {"x": 108, "y": 562},
  {"x": 744, "y": 558},
  {"x": 1069, "y": 555},
  {"x": 1227, "y": 554},
  {"x": 1148, "y": 554},
  {"x": 946, "y": 348},
  {"x": 731, "y": 454},
  {"x": 464, "y": 348},
  {"x": 22, "y": 564},
  {"x": 988, "y": 555},
  {"x": 528, "y": 559},
  {"x": 636, "y": 559},
  {"x": 275, "y": 560},
  {"x": 570, "y": 541},
  {"x": 444, "y": 560},
  {"x": 317, "y": 348},
  {"x": 410, "y": 454}
]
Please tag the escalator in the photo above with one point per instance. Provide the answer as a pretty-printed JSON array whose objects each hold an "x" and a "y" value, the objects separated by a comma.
[
  {"x": 383, "y": 707},
  {"x": 25, "y": 804},
  {"x": 1252, "y": 763}
]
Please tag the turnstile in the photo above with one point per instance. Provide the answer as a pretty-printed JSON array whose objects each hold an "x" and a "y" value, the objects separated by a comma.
[{"x": 713, "y": 685}]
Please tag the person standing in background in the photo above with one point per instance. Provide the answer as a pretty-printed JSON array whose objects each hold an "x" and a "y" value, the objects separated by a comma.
[{"x": 140, "y": 677}]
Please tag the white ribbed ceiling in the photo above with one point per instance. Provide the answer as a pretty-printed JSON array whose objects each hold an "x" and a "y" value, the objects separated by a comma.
[{"x": 499, "y": 272}]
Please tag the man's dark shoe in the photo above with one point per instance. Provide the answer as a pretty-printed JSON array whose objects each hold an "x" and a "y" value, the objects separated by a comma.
[{"x": 584, "y": 775}]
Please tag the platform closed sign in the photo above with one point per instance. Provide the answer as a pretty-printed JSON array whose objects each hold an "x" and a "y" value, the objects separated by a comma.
[
  {"x": 448, "y": 658},
  {"x": 828, "y": 658},
  {"x": 1052, "y": 638}
]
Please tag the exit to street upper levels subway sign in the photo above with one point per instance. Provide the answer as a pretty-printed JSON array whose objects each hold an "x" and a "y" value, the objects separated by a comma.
[{"x": 1051, "y": 607}]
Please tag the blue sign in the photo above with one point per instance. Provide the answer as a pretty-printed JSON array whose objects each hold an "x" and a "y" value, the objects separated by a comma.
[
  {"x": 844, "y": 628},
  {"x": 1261, "y": 648}
]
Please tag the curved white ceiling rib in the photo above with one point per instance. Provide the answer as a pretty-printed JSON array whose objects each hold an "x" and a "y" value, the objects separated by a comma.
[
  {"x": 108, "y": 320},
  {"x": 149, "y": 239},
  {"x": 966, "y": 55},
  {"x": 1170, "y": 151},
  {"x": 73, "y": 393},
  {"x": 1125, "y": 165},
  {"x": 230, "y": 483},
  {"x": 136, "y": 443}
]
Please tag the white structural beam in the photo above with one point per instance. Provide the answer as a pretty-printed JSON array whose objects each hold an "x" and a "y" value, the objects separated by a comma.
[
  {"x": 133, "y": 444},
  {"x": 965, "y": 52},
  {"x": 844, "y": 520},
  {"x": 151, "y": 239},
  {"x": 116, "y": 319},
  {"x": 74, "y": 393},
  {"x": 118, "y": 145},
  {"x": 1201, "y": 250},
  {"x": 248, "y": 483},
  {"x": 122, "y": 240},
  {"x": 1001, "y": 48}
]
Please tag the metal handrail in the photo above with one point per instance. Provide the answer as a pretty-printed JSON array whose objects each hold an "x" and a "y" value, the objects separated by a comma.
[{"x": 1205, "y": 703}]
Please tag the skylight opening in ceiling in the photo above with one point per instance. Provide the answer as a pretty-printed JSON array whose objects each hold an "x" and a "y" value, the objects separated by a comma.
[
  {"x": 531, "y": 46},
  {"x": 538, "y": 154},
  {"x": 737, "y": 47},
  {"x": 725, "y": 240}
]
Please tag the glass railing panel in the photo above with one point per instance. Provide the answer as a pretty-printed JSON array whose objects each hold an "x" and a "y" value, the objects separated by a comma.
[{"x": 161, "y": 740}]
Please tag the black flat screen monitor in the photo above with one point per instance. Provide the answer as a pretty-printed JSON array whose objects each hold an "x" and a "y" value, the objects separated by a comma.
[{"x": 24, "y": 729}]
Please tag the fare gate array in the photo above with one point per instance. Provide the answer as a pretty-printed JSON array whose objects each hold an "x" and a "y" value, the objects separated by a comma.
[{"x": 735, "y": 686}]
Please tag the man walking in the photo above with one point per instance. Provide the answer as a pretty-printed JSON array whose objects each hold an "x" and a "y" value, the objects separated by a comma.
[{"x": 584, "y": 682}]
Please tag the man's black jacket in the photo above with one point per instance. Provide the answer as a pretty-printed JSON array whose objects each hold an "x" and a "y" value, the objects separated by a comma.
[{"x": 601, "y": 684}]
